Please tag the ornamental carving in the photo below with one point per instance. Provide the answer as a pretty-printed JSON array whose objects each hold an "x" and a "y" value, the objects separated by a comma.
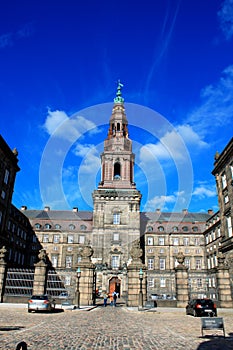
[
  {"x": 3, "y": 253},
  {"x": 86, "y": 252},
  {"x": 136, "y": 252},
  {"x": 180, "y": 258},
  {"x": 42, "y": 255}
]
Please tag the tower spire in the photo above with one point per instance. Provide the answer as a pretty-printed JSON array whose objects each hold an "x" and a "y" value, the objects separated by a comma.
[{"x": 119, "y": 98}]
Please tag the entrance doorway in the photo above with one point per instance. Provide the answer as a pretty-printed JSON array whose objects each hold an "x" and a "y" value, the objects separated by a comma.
[{"x": 115, "y": 286}]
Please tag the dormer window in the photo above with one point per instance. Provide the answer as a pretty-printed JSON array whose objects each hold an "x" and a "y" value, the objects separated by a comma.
[{"x": 47, "y": 226}]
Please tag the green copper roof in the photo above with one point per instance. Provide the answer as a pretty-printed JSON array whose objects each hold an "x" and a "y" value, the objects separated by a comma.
[{"x": 119, "y": 98}]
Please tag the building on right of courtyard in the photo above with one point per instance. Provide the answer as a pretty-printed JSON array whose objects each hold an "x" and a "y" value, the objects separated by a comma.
[{"x": 223, "y": 172}]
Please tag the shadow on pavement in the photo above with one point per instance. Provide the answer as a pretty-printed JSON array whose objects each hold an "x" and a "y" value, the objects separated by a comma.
[{"x": 217, "y": 343}]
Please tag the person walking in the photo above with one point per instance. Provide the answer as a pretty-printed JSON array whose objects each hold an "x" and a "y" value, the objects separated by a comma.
[
  {"x": 105, "y": 299},
  {"x": 114, "y": 294}
]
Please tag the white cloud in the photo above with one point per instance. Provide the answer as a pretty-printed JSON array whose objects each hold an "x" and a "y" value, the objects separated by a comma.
[
  {"x": 58, "y": 124},
  {"x": 159, "y": 202},
  {"x": 91, "y": 160},
  {"x": 216, "y": 109},
  {"x": 54, "y": 120},
  {"x": 204, "y": 191},
  {"x": 171, "y": 145},
  {"x": 225, "y": 15}
]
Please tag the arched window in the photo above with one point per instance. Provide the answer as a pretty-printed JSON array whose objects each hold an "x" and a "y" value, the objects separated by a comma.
[
  {"x": 117, "y": 170},
  {"x": 57, "y": 226},
  {"x": 71, "y": 227},
  {"x": 47, "y": 226},
  {"x": 83, "y": 227},
  {"x": 149, "y": 228},
  {"x": 37, "y": 225}
]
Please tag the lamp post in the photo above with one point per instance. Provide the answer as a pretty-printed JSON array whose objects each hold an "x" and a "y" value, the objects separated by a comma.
[
  {"x": 140, "y": 297},
  {"x": 77, "y": 301}
]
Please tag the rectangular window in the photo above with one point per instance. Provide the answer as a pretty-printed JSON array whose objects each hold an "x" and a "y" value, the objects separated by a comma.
[
  {"x": 162, "y": 264},
  {"x": 3, "y": 194},
  {"x": 116, "y": 236},
  {"x": 54, "y": 259},
  {"x": 150, "y": 241},
  {"x": 187, "y": 262},
  {"x": 186, "y": 241},
  {"x": 6, "y": 177},
  {"x": 198, "y": 264},
  {"x": 150, "y": 264},
  {"x": 45, "y": 238},
  {"x": 175, "y": 241},
  {"x": 224, "y": 181},
  {"x": 199, "y": 282},
  {"x": 196, "y": 241},
  {"x": 67, "y": 280},
  {"x": 0, "y": 217},
  {"x": 81, "y": 239},
  {"x": 68, "y": 261},
  {"x": 70, "y": 239},
  {"x": 162, "y": 282},
  {"x": 226, "y": 199},
  {"x": 229, "y": 226},
  {"x": 116, "y": 218},
  {"x": 115, "y": 261},
  {"x": 56, "y": 239},
  {"x": 150, "y": 282},
  {"x": 161, "y": 241}
]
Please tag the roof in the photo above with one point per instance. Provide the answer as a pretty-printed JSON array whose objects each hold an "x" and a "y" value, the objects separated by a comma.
[
  {"x": 175, "y": 217},
  {"x": 58, "y": 215}
]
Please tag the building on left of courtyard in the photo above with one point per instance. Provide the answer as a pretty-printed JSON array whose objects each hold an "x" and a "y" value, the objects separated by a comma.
[{"x": 16, "y": 233}]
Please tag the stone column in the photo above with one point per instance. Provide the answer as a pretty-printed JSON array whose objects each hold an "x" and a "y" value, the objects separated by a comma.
[
  {"x": 86, "y": 281},
  {"x": 40, "y": 276},
  {"x": 2, "y": 272},
  {"x": 133, "y": 276},
  {"x": 223, "y": 283},
  {"x": 181, "y": 273}
]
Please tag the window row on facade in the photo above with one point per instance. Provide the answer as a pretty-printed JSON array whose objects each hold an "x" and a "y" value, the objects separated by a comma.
[
  {"x": 58, "y": 227},
  {"x": 173, "y": 241},
  {"x": 160, "y": 264},
  {"x": 174, "y": 229}
]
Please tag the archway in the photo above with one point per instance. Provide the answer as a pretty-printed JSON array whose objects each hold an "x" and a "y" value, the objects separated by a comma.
[{"x": 115, "y": 286}]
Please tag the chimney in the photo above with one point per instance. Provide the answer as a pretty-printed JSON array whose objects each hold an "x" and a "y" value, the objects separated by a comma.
[
  {"x": 75, "y": 209},
  {"x": 210, "y": 212},
  {"x": 46, "y": 208},
  {"x": 185, "y": 211},
  {"x": 24, "y": 207},
  {"x": 158, "y": 210}
]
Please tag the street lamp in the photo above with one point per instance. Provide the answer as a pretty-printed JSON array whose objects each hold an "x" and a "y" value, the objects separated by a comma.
[
  {"x": 140, "y": 297},
  {"x": 77, "y": 299}
]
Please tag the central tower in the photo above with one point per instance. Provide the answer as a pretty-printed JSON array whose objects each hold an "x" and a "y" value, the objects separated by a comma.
[{"x": 116, "y": 214}]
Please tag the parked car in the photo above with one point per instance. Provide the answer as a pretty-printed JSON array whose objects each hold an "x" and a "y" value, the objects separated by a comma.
[
  {"x": 201, "y": 307},
  {"x": 40, "y": 303},
  {"x": 63, "y": 295}
]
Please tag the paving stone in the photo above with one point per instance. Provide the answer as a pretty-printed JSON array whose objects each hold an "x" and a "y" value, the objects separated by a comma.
[{"x": 110, "y": 329}]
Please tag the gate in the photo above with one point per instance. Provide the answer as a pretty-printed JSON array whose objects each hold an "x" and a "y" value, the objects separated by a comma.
[
  {"x": 55, "y": 286},
  {"x": 19, "y": 282}
]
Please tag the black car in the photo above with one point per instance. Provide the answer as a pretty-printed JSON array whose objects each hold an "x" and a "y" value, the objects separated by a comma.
[{"x": 201, "y": 307}]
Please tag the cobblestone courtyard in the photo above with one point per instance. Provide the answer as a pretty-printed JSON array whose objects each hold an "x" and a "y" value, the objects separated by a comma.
[{"x": 111, "y": 328}]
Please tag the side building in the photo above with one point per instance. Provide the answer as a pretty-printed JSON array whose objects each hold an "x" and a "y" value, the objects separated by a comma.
[{"x": 16, "y": 233}]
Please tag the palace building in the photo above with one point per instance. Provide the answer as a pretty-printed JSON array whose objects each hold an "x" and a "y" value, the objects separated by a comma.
[{"x": 116, "y": 223}]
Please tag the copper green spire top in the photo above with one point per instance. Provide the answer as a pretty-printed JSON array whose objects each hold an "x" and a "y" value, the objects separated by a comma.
[{"x": 119, "y": 98}]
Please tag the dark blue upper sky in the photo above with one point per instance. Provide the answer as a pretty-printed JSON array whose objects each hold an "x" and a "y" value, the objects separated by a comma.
[{"x": 61, "y": 57}]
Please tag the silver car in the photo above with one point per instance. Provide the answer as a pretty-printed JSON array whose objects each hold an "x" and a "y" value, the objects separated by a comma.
[{"x": 40, "y": 303}]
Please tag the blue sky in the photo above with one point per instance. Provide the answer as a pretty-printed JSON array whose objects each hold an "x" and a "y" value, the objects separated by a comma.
[{"x": 60, "y": 61}]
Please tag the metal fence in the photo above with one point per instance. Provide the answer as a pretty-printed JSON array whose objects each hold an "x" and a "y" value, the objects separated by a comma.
[
  {"x": 55, "y": 286},
  {"x": 19, "y": 282}
]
